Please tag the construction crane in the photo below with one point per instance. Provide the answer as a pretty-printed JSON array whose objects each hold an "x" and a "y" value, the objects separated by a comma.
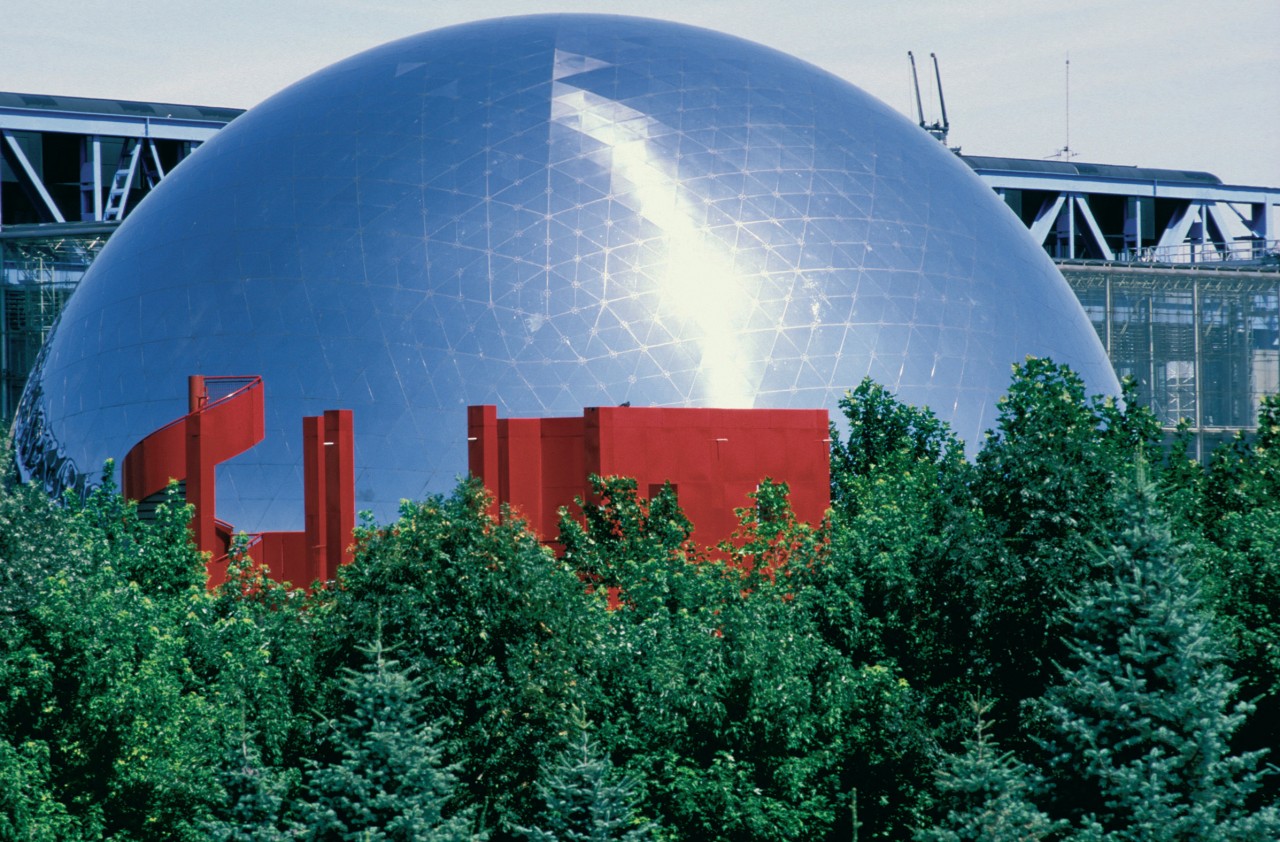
[{"x": 937, "y": 129}]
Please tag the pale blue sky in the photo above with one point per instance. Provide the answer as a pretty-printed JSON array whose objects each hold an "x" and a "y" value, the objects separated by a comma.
[{"x": 1189, "y": 84}]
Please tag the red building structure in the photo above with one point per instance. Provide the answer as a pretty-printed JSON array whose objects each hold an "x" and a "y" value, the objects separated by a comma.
[
  {"x": 225, "y": 417},
  {"x": 714, "y": 457}
]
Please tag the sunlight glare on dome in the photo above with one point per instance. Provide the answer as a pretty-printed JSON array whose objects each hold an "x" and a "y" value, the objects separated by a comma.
[{"x": 544, "y": 213}]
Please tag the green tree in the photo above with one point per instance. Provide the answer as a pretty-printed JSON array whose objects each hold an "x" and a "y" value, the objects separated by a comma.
[
  {"x": 717, "y": 691},
  {"x": 1236, "y": 525},
  {"x": 388, "y": 780},
  {"x": 1240, "y": 576},
  {"x": 1138, "y": 728},
  {"x": 257, "y": 798},
  {"x": 624, "y": 537},
  {"x": 905, "y": 579},
  {"x": 29, "y": 807},
  {"x": 1244, "y": 473},
  {"x": 95, "y": 659},
  {"x": 499, "y": 632},
  {"x": 988, "y": 793},
  {"x": 1181, "y": 485},
  {"x": 254, "y": 650},
  {"x": 1045, "y": 481},
  {"x": 586, "y": 801}
]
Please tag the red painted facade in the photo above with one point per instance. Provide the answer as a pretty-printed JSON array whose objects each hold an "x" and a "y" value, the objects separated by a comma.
[
  {"x": 225, "y": 425},
  {"x": 713, "y": 457}
]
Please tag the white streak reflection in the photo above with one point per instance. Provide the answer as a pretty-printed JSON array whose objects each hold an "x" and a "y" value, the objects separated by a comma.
[{"x": 698, "y": 285}]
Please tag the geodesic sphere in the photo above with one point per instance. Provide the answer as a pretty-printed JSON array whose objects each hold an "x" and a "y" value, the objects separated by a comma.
[{"x": 544, "y": 213}]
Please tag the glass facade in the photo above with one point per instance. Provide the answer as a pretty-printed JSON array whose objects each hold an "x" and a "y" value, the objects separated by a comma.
[
  {"x": 1203, "y": 345},
  {"x": 37, "y": 277},
  {"x": 544, "y": 214}
]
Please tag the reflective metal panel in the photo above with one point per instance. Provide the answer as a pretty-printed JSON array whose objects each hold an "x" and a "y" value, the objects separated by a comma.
[{"x": 545, "y": 213}]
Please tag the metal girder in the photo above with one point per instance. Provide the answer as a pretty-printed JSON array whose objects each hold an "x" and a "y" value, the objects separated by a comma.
[
  {"x": 1226, "y": 225},
  {"x": 1099, "y": 240},
  {"x": 122, "y": 182},
  {"x": 1058, "y": 183},
  {"x": 107, "y": 125},
  {"x": 32, "y": 177},
  {"x": 1047, "y": 215},
  {"x": 1180, "y": 225},
  {"x": 155, "y": 158}
]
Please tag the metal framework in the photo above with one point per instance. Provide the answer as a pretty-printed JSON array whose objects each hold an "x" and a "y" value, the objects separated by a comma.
[
  {"x": 1135, "y": 214},
  {"x": 1202, "y": 343},
  {"x": 37, "y": 277},
  {"x": 70, "y": 170},
  {"x": 68, "y": 159}
]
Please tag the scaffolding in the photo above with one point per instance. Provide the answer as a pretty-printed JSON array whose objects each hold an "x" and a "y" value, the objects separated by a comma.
[{"x": 37, "y": 276}]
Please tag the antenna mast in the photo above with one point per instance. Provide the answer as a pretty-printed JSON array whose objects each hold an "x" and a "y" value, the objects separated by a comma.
[{"x": 1066, "y": 153}]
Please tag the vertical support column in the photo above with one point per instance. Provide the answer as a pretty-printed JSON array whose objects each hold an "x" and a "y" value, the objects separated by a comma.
[
  {"x": 1196, "y": 367},
  {"x": 201, "y": 476},
  {"x": 314, "y": 497},
  {"x": 197, "y": 394},
  {"x": 91, "y": 178},
  {"x": 482, "y": 449},
  {"x": 1071, "y": 225},
  {"x": 1137, "y": 226},
  {"x": 340, "y": 488},
  {"x": 1262, "y": 223},
  {"x": 4, "y": 344},
  {"x": 97, "y": 178},
  {"x": 1156, "y": 388},
  {"x": 1110, "y": 311},
  {"x": 597, "y": 447},
  {"x": 521, "y": 466}
]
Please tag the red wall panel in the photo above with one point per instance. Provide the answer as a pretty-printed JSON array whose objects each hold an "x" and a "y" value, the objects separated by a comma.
[{"x": 714, "y": 457}]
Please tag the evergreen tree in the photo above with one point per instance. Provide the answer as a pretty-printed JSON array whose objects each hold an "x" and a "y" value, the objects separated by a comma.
[
  {"x": 256, "y": 799},
  {"x": 586, "y": 801},
  {"x": 989, "y": 794},
  {"x": 1138, "y": 727},
  {"x": 388, "y": 781}
]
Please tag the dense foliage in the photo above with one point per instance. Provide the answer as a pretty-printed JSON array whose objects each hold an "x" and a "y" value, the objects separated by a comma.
[{"x": 1112, "y": 604}]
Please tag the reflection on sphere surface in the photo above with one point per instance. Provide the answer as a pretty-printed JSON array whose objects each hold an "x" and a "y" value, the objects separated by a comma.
[{"x": 545, "y": 213}]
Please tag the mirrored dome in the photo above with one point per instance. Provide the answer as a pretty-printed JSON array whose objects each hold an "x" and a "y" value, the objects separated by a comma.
[{"x": 544, "y": 213}]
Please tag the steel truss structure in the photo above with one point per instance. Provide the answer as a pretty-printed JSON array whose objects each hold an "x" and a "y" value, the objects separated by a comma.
[
  {"x": 71, "y": 169},
  {"x": 1137, "y": 215},
  {"x": 37, "y": 277},
  {"x": 70, "y": 159}
]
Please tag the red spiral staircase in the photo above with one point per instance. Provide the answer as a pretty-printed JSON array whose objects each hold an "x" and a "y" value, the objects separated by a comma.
[{"x": 225, "y": 417}]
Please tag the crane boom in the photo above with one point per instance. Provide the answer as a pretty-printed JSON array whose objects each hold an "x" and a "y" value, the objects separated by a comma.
[
  {"x": 937, "y": 129},
  {"x": 937, "y": 74},
  {"x": 915, "y": 82}
]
